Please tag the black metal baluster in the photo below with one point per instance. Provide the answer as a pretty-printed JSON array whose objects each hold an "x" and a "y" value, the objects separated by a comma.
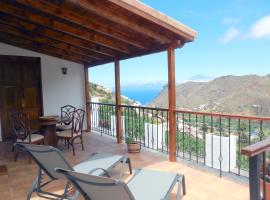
[
  {"x": 229, "y": 124},
  {"x": 125, "y": 119},
  {"x": 249, "y": 132},
  {"x": 212, "y": 145},
  {"x": 196, "y": 126},
  {"x": 220, "y": 148},
  {"x": 239, "y": 146},
  {"x": 144, "y": 126},
  {"x": 97, "y": 116},
  {"x": 189, "y": 131},
  {"x": 183, "y": 134},
  {"x": 168, "y": 133},
  {"x": 128, "y": 124},
  {"x": 132, "y": 120},
  {"x": 113, "y": 121},
  {"x": 157, "y": 130},
  {"x": 162, "y": 139},
  {"x": 107, "y": 120},
  {"x": 261, "y": 130},
  {"x": 204, "y": 140},
  {"x": 177, "y": 135},
  {"x": 140, "y": 134},
  {"x": 152, "y": 132},
  {"x": 148, "y": 138},
  {"x": 100, "y": 119}
]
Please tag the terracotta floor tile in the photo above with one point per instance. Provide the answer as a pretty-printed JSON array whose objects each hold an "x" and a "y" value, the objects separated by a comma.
[{"x": 201, "y": 184}]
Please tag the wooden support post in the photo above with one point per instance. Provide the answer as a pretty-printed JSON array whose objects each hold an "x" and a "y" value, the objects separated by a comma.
[
  {"x": 254, "y": 178},
  {"x": 87, "y": 99},
  {"x": 118, "y": 101},
  {"x": 171, "y": 95}
]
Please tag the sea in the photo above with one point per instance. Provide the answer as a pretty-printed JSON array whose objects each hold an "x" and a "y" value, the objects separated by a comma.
[{"x": 142, "y": 96}]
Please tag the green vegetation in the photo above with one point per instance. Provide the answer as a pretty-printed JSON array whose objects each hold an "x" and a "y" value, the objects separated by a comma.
[{"x": 247, "y": 132}]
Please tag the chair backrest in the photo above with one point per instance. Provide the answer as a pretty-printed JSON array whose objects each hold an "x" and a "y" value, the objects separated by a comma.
[
  {"x": 77, "y": 121},
  {"x": 20, "y": 125},
  {"x": 97, "y": 187},
  {"x": 48, "y": 158},
  {"x": 67, "y": 112}
]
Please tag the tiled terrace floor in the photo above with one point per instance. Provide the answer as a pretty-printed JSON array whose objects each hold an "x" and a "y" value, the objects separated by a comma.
[{"x": 201, "y": 184}]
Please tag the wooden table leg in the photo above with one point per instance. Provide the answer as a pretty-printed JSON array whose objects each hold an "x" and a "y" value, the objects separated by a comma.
[{"x": 50, "y": 137}]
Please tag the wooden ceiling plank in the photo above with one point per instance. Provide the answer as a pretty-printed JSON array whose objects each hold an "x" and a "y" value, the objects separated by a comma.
[
  {"x": 46, "y": 47},
  {"x": 52, "y": 23},
  {"x": 31, "y": 36},
  {"x": 82, "y": 20},
  {"x": 11, "y": 41},
  {"x": 122, "y": 20},
  {"x": 95, "y": 50}
]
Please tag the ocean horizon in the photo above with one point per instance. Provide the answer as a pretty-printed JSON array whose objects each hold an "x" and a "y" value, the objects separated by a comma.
[{"x": 142, "y": 96}]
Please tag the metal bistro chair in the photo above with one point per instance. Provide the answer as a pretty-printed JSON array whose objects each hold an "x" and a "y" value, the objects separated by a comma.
[
  {"x": 66, "y": 117},
  {"x": 76, "y": 130},
  {"x": 22, "y": 132}
]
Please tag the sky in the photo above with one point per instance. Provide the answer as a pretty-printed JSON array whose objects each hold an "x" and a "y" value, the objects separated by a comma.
[{"x": 233, "y": 38}]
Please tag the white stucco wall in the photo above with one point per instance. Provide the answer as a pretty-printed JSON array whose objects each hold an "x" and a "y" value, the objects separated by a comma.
[
  {"x": 228, "y": 152},
  {"x": 58, "y": 89}
]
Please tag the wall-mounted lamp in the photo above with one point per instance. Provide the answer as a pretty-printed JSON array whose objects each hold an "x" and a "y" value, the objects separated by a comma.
[{"x": 64, "y": 70}]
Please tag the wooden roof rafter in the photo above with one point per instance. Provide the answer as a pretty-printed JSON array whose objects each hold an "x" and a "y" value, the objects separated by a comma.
[
  {"x": 83, "y": 21},
  {"x": 92, "y": 32},
  {"x": 24, "y": 34},
  {"x": 23, "y": 43},
  {"x": 60, "y": 37},
  {"x": 52, "y": 23}
]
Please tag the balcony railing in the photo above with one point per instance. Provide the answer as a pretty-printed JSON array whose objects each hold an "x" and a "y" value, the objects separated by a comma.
[
  {"x": 259, "y": 174},
  {"x": 212, "y": 139}
]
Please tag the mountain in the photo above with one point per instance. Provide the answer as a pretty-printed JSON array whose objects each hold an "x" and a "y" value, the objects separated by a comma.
[
  {"x": 247, "y": 95},
  {"x": 200, "y": 78}
]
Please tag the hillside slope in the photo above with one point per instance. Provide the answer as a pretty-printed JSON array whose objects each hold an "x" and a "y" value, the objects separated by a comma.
[
  {"x": 249, "y": 95},
  {"x": 105, "y": 95}
]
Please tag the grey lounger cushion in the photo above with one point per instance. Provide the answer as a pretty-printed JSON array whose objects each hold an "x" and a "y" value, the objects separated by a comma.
[
  {"x": 155, "y": 185},
  {"x": 96, "y": 161}
]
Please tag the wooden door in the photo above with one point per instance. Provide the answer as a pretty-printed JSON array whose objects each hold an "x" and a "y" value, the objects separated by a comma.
[{"x": 20, "y": 87}]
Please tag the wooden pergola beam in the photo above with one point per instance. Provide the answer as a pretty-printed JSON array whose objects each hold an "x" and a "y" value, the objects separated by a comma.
[
  {"x": 54, "y": 24},
  {"x": 94, "y": 50},
  {"x": 22, "y": 34},
  {"x": 156, "y": 49},
  {"x": 59, "y": 11},
  {"x": 118, "y": 101},
  {"x": 172, "y": 103},
  {"x": 119, "y": 19}
]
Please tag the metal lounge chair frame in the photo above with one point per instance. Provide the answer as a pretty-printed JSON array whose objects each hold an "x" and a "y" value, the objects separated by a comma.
[
  {"x": 74, "y": 178},
  {"x": 38, "y": 184}
]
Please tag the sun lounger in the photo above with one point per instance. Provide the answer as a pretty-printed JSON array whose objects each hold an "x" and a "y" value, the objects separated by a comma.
[
  {"x": 48, "y": 158},
  {"x": 145, "y": 185}
]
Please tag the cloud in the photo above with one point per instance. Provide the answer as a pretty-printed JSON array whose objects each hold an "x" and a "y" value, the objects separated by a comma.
[
  {"x": 230, "y": 35},
  {"x": 231, "y": 21},
  {"x": 261, "y": 29}
]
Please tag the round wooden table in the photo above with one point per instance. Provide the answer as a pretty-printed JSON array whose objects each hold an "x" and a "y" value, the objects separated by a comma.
[{"x": 48, "y": 128}]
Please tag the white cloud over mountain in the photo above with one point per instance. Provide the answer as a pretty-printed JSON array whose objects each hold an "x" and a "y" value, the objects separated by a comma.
[
  {"x": 231, "y": 21},
  {"x": 259, "y": 30},
  {"x": 231, "y": 34}
]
